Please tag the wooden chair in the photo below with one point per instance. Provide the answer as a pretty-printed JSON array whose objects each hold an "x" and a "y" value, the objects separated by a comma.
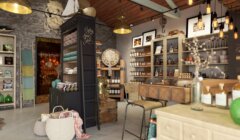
[{"x": 147, "y": 105}]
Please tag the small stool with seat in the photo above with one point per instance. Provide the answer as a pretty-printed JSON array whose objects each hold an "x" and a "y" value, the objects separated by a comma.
[{"x": 147, "y": 105}]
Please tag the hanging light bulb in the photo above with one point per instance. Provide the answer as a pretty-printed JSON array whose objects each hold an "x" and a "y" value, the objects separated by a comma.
[
  {"x": 209, "y": 9},
  {"x": 200, "y": 22},
  {"x": 16, "y": 6},
  {"x": 235, "y": 33},
  {"x": 215, "y": 21},
  {"x": 231, "y": 24},
  {"x": 190, "y": 2},
  {"x": 221, "y": 33},
  {"x": 227, "y": 18}
]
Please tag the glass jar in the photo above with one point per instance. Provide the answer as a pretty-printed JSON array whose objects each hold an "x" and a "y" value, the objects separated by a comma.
[
  {"x": 221, "y": 97},
  {"x": 206, "y": 98},
  {"x": 236, "y": 89}
]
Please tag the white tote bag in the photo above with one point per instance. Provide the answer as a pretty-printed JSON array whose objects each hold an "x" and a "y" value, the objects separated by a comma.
[{"x": 61, "y": 128}]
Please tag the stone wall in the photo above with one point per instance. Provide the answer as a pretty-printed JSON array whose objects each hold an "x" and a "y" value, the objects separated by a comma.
[{"x": 28, "y": 27}]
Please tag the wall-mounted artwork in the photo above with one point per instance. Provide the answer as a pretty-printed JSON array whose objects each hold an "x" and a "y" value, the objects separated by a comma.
[
  {"x": 194, "y": 31},
  {"x": 148, "y": 37},
  {"x": 220, "y": 21},
  {"x": 137, "y": 41}
]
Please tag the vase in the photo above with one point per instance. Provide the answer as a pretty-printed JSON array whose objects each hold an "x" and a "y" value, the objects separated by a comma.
[
  {"x": 235, "y": 110},
  {"x": 196, "y": 93},
  {"x": 1, "y": 98},
  {"x": 8, "y": 99}
]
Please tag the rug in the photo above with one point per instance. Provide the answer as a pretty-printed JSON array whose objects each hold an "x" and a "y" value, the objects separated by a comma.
[{"x": 1, "y": 123}]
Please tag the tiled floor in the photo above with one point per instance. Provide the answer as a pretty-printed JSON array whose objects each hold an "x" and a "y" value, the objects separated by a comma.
[{"x": 20, "y": 122}]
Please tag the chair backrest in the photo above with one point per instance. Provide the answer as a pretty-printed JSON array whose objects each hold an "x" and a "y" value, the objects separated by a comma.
[{"x": 132, "y": 90}]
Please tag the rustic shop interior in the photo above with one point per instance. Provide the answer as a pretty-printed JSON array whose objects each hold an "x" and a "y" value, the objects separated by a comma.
[{"x": 119, "y": 69}]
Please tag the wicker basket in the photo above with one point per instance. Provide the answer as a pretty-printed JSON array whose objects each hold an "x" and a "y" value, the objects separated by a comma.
[{"x": 61, "y": 128}]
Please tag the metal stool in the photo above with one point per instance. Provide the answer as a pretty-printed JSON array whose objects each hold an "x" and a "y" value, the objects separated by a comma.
[{"x": 132, "y": 89}]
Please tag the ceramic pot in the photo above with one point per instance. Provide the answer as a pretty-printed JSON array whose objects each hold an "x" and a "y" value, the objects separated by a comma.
[
  {"x": 235, "y": 110},
  {"x": 8, "y": 99},
  {"x": 1, "y": 98}
]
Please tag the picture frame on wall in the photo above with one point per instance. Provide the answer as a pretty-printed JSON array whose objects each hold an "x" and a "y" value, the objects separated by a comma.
[
  {"x": 148, "y": 37},
  {"x": 137, "y": 41},
  {"x": 220, "y": 21},
  {"x": 8, "y": 60},
  {"x": 194, "y": 31}
]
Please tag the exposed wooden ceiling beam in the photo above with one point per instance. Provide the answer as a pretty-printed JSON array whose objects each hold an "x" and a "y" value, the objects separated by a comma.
[{"x": 156, "y": 7}]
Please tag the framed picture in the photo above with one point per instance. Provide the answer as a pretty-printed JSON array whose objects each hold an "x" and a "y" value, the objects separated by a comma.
[
  {"x": 8, "y": 60},
  {"x": 137, "y": 41},
  {"x": 148, "y": 37},
  {"x": 194, "y": 31},
  {"x": 7, "y": 73},
  {"x": 7, "y": 47},
  {"x": 158, "y": 50},
  {"x": 220, "y": 21}
]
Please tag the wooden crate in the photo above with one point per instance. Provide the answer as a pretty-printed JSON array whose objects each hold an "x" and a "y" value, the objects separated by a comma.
[{"x": 108, "y": 111}]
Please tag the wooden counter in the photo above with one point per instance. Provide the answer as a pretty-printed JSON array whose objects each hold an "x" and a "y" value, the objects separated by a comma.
[
  {"x": 179, "y": 122},
  {"x": 165, "y": 92}
]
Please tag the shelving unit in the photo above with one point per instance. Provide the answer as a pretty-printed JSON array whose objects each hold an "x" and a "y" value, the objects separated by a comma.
[
  {"x": 218, "y": 46},
  {"x": 79, "y": 53},
  {"x": 169, "y": 59},
  {"x": 8, "y": 72},
  {"x": 116, "y": 80},
  {"x": 141, "y": 63}
]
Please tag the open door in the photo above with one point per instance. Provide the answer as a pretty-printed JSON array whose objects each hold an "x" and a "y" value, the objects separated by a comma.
[{"x": 48, "y": 59}]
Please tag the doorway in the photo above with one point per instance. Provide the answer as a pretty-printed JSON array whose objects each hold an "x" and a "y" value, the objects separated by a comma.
[{"x": 48, "y": 61}]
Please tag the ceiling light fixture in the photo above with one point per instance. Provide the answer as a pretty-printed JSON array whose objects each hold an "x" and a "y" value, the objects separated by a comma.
[
  {"x": 190, "y": 2},
  {"x": 221, "y": 33},
  {"x": 227, "y": 18},
  {"x": 208, "y": 8},
  {"x": 122, "y": 27},
  {"x": 16, "y": 6},
  {"x": 235, "y": 33},
  {"x": 231, "y": 24},
  {"x": 200, "y": 22},
  {"x": 215, "y": 21}
]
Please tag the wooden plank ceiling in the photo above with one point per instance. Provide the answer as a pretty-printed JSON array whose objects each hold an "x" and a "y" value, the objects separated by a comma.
[{"x": 108, "y": 11}]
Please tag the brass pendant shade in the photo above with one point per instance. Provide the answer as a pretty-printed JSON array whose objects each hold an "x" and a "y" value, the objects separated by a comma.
[
  {"x": 122, "y": 27},
  {"x": 16, "y": 6}
]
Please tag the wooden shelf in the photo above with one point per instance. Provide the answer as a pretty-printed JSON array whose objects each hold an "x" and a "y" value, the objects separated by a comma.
[
  {"x": 172, "y": 65},
  {"x": 6, "y": 104},
  {"x": 6, "y": 90},
  {"x": 6, "y": 52},
  {"x": 71, "y": 61},
  {"x": 6, "y": 65},
  {"x": 158, "y": 65},
  {"x": 114, "y": 85},
  {"x": 142, "y": 56},
  {"x": 114, "y": 96},
  {"x": 209, "y": 64},
  {"x": 158, "y": 54},
  {"x": 70, "y": 46},
  {"x": 142, "y": 76},
  {"x": 147, "y": 46},
  {"x": 214, "y": 49},
  {"x": 142, "y": 66},
  {"x": 172, "y": 53},
  {"x": 106, "y": 68},
  {"x": 6, "y": 77}
]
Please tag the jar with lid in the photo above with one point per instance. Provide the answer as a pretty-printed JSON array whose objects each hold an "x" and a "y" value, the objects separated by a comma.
[
  {"x": 206, "y": 97},
  {"x": 236, "y": 89},
  {"x": 221, "y": 97}
]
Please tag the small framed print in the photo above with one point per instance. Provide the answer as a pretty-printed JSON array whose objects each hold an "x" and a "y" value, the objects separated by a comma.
[
  {"x": 8, "y": 60},
  {"x": 158, "y": 50},
  {"x": 220, "y": 21},
  {"x": 194, "y": 31},
  {"x": 137, "y": 41},
  {"x": 7, "y": 73},
  {"x": 148, "y": 37},
  {"x": 7, "y": 48}
]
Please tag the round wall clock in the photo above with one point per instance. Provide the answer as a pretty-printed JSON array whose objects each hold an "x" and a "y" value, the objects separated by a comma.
[{"x": 110, "y": 57}]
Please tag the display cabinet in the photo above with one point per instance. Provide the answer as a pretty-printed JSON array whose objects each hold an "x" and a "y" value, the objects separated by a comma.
[
  {"x": 140, "y": 63},
  {"x": 78, "y": 62},
  {"x": 115, "y": 80},
  {"x": 166, "y": 57},
  {"x": 7, "y": 70},
  {"x": 214, "y": 45}
]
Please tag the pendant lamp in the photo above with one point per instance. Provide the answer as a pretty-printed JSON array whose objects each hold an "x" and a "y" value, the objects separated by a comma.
[
  {"x": 227, "y": 18},
  {"x": 215, "y": 21},
  {"x": 235, "y": 33},
  {"x": 221, "y": 33},
  {"x": 200, "y": 22},
  {"x": 190, "y": 2},
  {"x": 16, "y": 6},
  {"x": 231, "y": 24},
  {"x": 208, "y": 8},
  {"x": 122, "y": 27}
]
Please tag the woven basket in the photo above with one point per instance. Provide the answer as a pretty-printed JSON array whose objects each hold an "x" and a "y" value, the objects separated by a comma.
[{"x": 61, "y": 128}]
